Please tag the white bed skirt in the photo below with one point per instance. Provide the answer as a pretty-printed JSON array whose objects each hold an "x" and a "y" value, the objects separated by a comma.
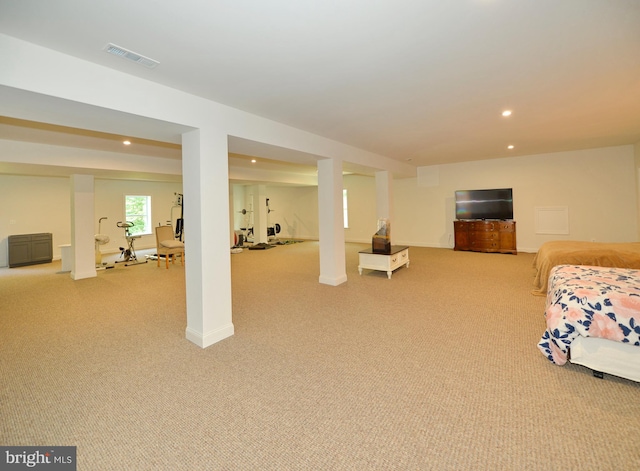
[{"x": 607, "y": 356}]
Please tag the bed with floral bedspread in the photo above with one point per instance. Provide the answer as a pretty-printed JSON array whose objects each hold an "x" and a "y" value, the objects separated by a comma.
[
  {"x": 575, "y": 252},
  {"x": 590, "y": 301}
]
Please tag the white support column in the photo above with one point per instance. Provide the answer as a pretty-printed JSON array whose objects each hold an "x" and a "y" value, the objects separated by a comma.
[
  {"x": 331, "y": 221},
  {"x": 231, "y": 217},
  {"x": 384, "y": 197},
  {"x": 237, "y": 205},
  {"x": 249, "y": 218},
  {"x": 208, "y": 258},
  {"x": 82, "y": 227},
  {"x": 260, "y": 214}
]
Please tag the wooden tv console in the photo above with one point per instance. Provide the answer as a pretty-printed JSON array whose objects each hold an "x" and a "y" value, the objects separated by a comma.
[{"x": 485, "y": 236}]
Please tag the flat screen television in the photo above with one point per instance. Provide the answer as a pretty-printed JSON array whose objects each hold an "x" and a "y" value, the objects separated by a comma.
[{"x": 484, "y": 204}]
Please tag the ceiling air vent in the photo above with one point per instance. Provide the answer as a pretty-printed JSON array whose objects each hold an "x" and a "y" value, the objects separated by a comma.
[{"x": 130, "y": 55}]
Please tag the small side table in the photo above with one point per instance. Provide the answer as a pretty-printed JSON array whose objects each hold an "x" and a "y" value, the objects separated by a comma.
[
  {"x": 398, "y": 257},
  {"x": 65, "y": 256}
]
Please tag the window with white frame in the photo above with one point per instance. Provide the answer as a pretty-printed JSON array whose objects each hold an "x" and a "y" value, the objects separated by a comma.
[
  {"x": 138, "y": 211},
  {"x": 345, "y": 209}
]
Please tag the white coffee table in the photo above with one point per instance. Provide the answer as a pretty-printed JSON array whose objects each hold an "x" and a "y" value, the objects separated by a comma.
[{"x": 398, "y": 257}]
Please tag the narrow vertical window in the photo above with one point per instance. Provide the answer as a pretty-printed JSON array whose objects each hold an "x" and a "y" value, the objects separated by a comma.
[
  {"x": 138, "y": 211},
  {"x": 345, "y": 209}
]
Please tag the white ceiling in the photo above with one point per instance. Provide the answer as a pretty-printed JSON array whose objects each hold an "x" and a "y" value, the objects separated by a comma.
[{"x": 418, "y": 80}]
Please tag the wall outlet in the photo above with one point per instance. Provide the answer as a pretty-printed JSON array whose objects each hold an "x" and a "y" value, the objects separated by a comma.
[{"x": 12, "y": 221}]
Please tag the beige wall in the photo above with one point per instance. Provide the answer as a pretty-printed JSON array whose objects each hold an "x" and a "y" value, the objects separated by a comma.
[
  {"x": 636, "y": 149},
  {"x": 42, "y": 204},
  {"x": 109, "y": 202},
  {"x": 32, "y": 205},
  {"x": 295, "y": 208},
  {"x": 598, "y": 186},
  {"x": 363, "y": 217}
]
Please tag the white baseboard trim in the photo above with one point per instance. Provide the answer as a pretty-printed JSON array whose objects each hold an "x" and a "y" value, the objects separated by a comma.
[
  {"x": 204, "y": 340},
  {"x": 114, "y": 252},
  {"x": 82, "y": 276},
  {"x": 332, "y": 281}
]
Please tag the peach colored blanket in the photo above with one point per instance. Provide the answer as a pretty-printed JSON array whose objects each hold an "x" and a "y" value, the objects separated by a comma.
[{"x": 568, "y": 252}]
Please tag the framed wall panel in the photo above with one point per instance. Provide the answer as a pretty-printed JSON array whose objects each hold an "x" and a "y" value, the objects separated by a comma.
[{"x": 552, "y": 219}]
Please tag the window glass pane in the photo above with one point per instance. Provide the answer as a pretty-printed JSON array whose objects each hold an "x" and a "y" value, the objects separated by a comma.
[{"x": 138, "y": 211}]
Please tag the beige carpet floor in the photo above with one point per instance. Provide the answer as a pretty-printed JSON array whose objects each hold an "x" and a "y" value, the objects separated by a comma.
[{"x": 436, "y": 368}]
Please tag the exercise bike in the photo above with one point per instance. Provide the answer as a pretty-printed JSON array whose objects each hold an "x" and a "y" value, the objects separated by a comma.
[{"x": 129, "y": 254}]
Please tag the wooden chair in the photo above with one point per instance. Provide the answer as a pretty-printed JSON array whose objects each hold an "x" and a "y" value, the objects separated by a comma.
[{"x": 168, "y": 246}]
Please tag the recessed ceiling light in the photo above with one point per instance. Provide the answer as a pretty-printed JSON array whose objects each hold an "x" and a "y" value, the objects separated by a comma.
[
  {"x": 509, "y": 147},
  {"x": 506, "y": 113},
  {"x": 253, "y": 161},
  {"x": 126, "y": 143}
]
